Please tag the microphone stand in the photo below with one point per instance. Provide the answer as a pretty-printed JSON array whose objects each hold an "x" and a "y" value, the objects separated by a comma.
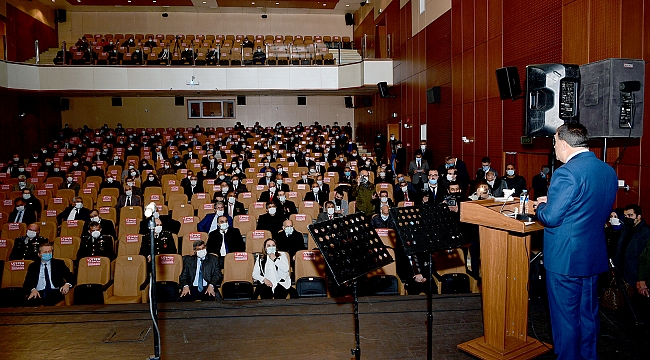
[{"x": 153, "y": 303}]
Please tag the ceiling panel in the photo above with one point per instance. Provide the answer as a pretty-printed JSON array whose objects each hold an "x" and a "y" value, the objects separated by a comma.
[
  {"x": 291, "y": 4},
  {"x": 130, "y": 2}
]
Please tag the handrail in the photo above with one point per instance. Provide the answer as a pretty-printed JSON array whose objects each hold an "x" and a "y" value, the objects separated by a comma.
[{"x": 38, "y": 57}]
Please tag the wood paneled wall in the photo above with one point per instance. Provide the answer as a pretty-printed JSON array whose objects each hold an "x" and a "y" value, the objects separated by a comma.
[{"x": 460, "y": 51}]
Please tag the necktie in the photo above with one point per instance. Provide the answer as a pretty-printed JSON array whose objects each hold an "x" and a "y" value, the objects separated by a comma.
[
  {"x": 48, "y": 285},
  {"x": 230, "y": 207},
  {"x": 331, "y": 217},
  {"x": 406, "y": 195},
  {"x": 316, "y": 197},
  {"x": 418, "y": 165},
  {"x": 128, "y": 201},
  {"x": 19, "y": 216},
  {"x": 200, "y": 265}
]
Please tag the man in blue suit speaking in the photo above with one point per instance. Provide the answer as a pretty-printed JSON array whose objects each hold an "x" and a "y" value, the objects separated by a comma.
[{"x": 578, "y": 204}]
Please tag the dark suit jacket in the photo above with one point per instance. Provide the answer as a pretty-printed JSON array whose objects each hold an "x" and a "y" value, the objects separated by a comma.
[
  {"x": 73, "y": 185},
  {"x": 188, "y": 190},
  {"x": 399, "y": 195},
  {"x": 108, "y": 228},
  {"x": 288, "y": 208},
  {"x": 121, "y": 201},
  {"x": 29, "y": 216},
  {"x": 60, "y": 274},
  {"x": 324, "y": 216},
  {"x": 580, "y": 200},
  {"x": 82, "y": 214},
  {"x": 290, "y": 244},
  {"x": 234, "y": 241},
  {"x": 211, "y": 266},
  {"x": 238, "y": 209},
  {"x": 270, "y": 223},
  {"x": 322, "y": 197},
  {"x": 265, "y": 196}
]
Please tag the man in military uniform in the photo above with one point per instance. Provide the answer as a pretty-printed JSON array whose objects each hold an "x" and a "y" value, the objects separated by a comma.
[
  {"x": 96, "y": 244},
  {"x": 163, "y": 242},
  {"x": 26, "y": 247}
]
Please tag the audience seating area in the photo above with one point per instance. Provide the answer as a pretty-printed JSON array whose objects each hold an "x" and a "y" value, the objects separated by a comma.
[
  {"x": 223, "y": 50},
  {"x": 123, "y": 279}
]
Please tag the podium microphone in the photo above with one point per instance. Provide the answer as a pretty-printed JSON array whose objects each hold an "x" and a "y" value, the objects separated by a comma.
[{"x": 149, "y": 213}]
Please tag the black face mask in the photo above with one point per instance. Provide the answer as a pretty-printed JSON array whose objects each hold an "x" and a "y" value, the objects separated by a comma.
[{"x": 628, "y": 221}]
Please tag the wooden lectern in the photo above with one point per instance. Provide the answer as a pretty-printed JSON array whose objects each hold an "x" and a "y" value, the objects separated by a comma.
[{"x": 505, "y": 252}]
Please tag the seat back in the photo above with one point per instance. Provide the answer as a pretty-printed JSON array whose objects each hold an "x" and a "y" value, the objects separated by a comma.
[
  {"x": 388, "y": 237},
  {"x": 301, "y": 222},
  {"x": 309, "y": 263},
  {"x": 72, "y": 228},
  {"x": 131, "y": 212},
  {"x": 244, "y": 223},
  {"x": 188, "y": 225},
  {"x": 114, "y": 192},
  {"x": 68, "y": 194},
  {"x": 66, "y": 247},
  {"x": 94, "y": 270},
  {"x": 310, "y": 208},
  {"x": 6, "y": 245},
  {"x": 129, "y": 244},
  {"x": 13, "y": 230},
  {"x": 130, "y": 273},
  {"x": 109, "y": 213},
  {"x": 57, "y": 203},
  {"x": 169, "y": 267},
  {"x": 447, "y": 264},
  {"x": 189, "y": 239},
  {"x": 181, "y": 210},
  {"x": 13, "y": 275},
  {"x": 238, "y": 267},
  {"x": 255, "y": 240}
]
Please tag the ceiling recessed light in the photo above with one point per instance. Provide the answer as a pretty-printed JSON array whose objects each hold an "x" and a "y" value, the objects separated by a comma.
[
  {"x": 205, "y": 2},
  {"x": 348, "y": 5},
  {"x": 253, "y": 3},
  {"x": 324, "y": 4},
  {"x": 277, "y": 3},
  {"x": 154, "y": 1}
]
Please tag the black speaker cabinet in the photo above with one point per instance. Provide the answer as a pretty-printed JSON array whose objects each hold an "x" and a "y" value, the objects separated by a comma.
[
  {"x": 179, "y": 101},
  {"x": 349, "y": 19},
  {"x": 116, "y": 101},
  {"x": 551, "y": 97},
  {"x": 241, "y": 100},
  {"x": 367, "y": 101},
  {"x": 383, "y": 89},
  {"x": 508, "y": 81},
  {"x": 348, "y": 102},
  {"x": 611, "y": 97},
  {"x": 59, "y": 15},
  {"x": 433, "y": 95},
  {"x": 302, "y": 100},
  {"x": 64, "y": 104}
]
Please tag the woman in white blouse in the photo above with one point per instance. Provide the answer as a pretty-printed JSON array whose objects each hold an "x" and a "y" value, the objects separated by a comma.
[{"x": 271, "y": 270}]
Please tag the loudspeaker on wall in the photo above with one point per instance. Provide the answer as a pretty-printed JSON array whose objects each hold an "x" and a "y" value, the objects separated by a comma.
[
  {"x": 59, "y": 15},
  {"x": 302, "y": 100},
  {"x": 508, "y": 81},
  {"x": 116, "y": 101},
  {"x": 241, "y": 100},
  {"x": 349, "y": 19},
  {"x": 433, "y": 95},
  {"x": 179, "y": 101},
  {"x": 348, "y": 102},
  {"x": 383, "y": 89}
]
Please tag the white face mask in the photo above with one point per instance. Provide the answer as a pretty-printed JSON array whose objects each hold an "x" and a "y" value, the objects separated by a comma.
[
  {"x": 384, "y": 217},
  {"x": 94, "y": 218},
  {"x": 95, "y": 234},
  {"x": 201, "y": 253},
  {"x": 404, "y": 188},
  {"x": 219, "y": 212},
  {"x": 510, "y": 172},
  {"x": 69, "y": 179},
  {"x": 79, "y": 205},
  {"x": 272, "y": 211},
  {"x": 110, "y": 180},
  {"x": 151, "y": 178},
  {"x": 288, "y": 230},
  {"x": 27, "y": 196},
  {"x": 614, "y": 221},
  {"x": 330, "y": 211},
  {"x": 383, "y": 199},
  {"x": 193, "y": 182},
  {"x": 130, "y": 183},
  {"x": 158, "y": 229},
  {"x": 282, "y": 198},
  {"x": 223, "y": 226},
  {"x": 235, "y": 183},
  {"x": 270, "y": 250},
  {"x": 129, "y": 192},
  {"x": 94, "y": 168},
  {"x": 450, "y": 177},
  {"x": 31, "y": 234},
  {"x": 315, "y": 190}
]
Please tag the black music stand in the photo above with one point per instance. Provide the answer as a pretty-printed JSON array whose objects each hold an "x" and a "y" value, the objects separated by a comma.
[
  {"x": 427, "y": 229},
  {"x": 351, "y": 248}
]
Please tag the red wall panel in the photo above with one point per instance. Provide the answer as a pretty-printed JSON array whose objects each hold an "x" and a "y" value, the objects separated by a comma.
[{"x": 22, "y": 31}]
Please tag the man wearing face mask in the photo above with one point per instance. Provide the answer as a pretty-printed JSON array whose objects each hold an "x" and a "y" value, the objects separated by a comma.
[
  {"x": 193, "y": 187},
  {"x": 151, "y": 180},
  {"x": 382, "y": 200},
  {"x": 226, "y": 239},
  {"x": 110, "y": 182},
  {"x": 69, "y": 183},
  {"x": 315, "y": 195},
  {"x": 289, "y": 240},
  {"x": 268, "y": 177},
  {"x": 26, "y": 247},
  {"x": 427, "y": 154},
  {"x": 329, "y": 212},
  {"x": 382, "y": 220},
  {"x": 131, "y": 171},
  {"x": 269, "y": 195},
  {"x": 95, "y": 244},
  {"x": 281, "y": 184},
  {"x": 418, "y": 169},
  {"x": 106, "y": 225},
  {"x": 76, "y": 211},
  {"x": 633, "y": 240},
  {"x": 272, "y": 220},
  {"x": 514, "y": 181},
  {"x": 495, "y": 184},
  {"x": 165, "y": 169},
  {"x": 22, "y": 184},
  {"x": 285, "y": 207},
  {"x": 31, "y": 202},
  {"x": 127, "y": 199},
  {"x": 21, "y": 213},
  {"x": 76, "y": 166},
  {"x": 404, "y": 192},
  {"x": 136, "y": 190},
  {"x": 486, "y": 165},
  {"x": 305, "y": 179},
  {"x": 163, "y": 242},
  {"x": 540, "y": 182},
  {"x": 95, "y": 170},
  {"x": 47, "y": 280},
  {"x": 433, "y": 192},
  {"x": 363, "y": 192},
  {"x": 201, "y": 275},
  {"x": 210, "y": 222},
  {"x": 237, "y": 185},
  {"x": 462, "y": 176}
]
